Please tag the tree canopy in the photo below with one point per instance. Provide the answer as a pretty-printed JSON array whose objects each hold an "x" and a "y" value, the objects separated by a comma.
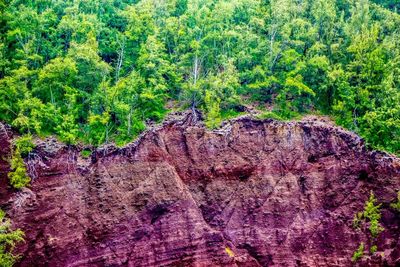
[{"x": 97, "y": 71}]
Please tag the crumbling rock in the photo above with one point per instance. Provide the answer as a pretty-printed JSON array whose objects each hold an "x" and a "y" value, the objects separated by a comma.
[{"x": 252, "y": 193}]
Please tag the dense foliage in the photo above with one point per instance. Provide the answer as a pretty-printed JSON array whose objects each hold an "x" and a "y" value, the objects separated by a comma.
[
  {"x": 98, "y": 70},
  {"x": 391, "y": 4},
  {"x": 8, "y": 239}
]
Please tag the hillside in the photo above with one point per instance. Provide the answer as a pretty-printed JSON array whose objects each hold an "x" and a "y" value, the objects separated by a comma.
[
  {"x": 199, "y": 133},
  {"x": 252, "y": 193}
]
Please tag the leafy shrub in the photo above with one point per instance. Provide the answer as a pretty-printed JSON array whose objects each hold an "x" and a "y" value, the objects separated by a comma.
[
  {"x": 269, "y": 115},
  {"x": 373, "y": 215},
  {"x": 86, "y": 153},
  {"x": 359, "y": 253},
  {"x": 230, "y": 113},
  {"x": 18, "y": 175},
  {"x": 8, "y": 239},
  {"x": 357, "y": 220},
  {"x": 67, "y": 129},
  {"x": 24, "y": 144}
]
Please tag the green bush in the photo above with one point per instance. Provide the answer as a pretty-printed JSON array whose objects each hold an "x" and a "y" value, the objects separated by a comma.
[
  {"x": 24, "y": 144},
  {"x": 213, "y": 116},
  {"x": 372, "y": 214},
  {"x": 359, "y": 253},
  {"x": 18, "y": 175},
  {"x": 230, "y": 114},
  {"x": 357, "y": 220},
  {"x": 269, "y": 115},
  {"x": 8, "y": 240},
  {"x": 86, "y": 153}
]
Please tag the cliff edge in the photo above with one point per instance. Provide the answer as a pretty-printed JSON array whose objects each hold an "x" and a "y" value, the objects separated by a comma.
[{"x": 252, "y": 193}]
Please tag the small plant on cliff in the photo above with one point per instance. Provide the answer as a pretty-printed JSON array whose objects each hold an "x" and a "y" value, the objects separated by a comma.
[
  {"x": 357, "y": 220},
  {"x": 370, "y": 217},
  {"x": 372, "y": 214},
  {"x": 18, "y": 175},
  {"x": 85, "y": 153},
  {"x": 8, "y": 239},
  {"x": 229, "y": 252},
  {"x": 396, "y": 205},
  {"x": 359, "y": 253},
  {"x": 269, "y": 115}
]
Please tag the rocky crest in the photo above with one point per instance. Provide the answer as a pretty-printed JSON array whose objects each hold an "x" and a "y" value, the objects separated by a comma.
[{"x": 252, "y": 193}]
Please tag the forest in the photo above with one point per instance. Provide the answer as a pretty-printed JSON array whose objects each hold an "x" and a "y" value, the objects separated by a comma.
[{"x": 99, "y": 71}]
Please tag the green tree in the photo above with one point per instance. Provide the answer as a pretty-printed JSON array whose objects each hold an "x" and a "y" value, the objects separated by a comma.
[
  {"x": 91, "y": 69},
  {"x": 54, "y": 78},
  {"x": 13, "y": 89},
  {"x": 98, "y": 126},
  {"x": 67, "y": 126},
  {"x": 212, "y": 105}
]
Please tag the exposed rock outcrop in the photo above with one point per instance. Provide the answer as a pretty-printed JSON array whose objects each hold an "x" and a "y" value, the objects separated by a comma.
[{"x": 252, "y": 193}]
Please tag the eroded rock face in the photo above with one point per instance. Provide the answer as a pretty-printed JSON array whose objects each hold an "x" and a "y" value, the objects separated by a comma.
[{"x": 253, "y": 193}]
